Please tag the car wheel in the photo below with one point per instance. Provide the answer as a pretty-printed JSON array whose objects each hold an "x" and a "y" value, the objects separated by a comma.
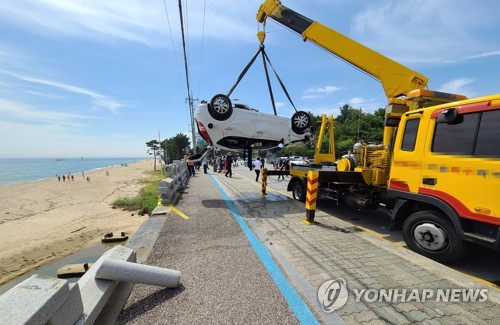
[
  {"x": 299, "y": 191},
  {"x": 300, "y": 122},
  {"x": 431, "y": 234},
  {"x": 220, "y": 107}
]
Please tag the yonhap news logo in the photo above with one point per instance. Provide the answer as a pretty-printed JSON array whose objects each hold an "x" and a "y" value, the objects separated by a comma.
[{"x": 333, "y": 295}]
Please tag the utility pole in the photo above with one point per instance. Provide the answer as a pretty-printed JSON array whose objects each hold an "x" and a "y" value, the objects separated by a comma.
[
  {"x": 190, "y": 100},
  {"x": 359, "y": 122}
]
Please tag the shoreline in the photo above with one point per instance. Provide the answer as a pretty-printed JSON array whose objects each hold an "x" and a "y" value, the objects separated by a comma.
[
  {"x": 137, "y": 160},
  {"x": 44, "y": 220}
]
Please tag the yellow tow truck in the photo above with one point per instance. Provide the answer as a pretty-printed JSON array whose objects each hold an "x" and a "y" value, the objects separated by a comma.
[{"x": 437, "y": 171}]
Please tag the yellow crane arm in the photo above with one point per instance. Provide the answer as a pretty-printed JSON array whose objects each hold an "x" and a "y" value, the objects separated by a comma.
[{"x": 396, "y": 79}]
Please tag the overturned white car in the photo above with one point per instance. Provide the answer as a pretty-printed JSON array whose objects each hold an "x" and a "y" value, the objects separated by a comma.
[{"x": 237, "y": 127}]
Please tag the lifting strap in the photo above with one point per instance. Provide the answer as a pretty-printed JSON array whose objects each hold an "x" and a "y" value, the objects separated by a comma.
[{"x": 264, "y": 58}]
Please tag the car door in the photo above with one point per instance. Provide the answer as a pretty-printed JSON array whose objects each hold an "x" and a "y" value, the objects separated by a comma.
[
  {"x": 242, "y": 124},
  {"x": 272, "y": 127}
]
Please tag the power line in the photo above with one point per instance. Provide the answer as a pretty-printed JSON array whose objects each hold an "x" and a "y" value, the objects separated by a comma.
[
  {"x": 173, "y": 46},
  {"x": 202, "y": 46},
  {"x": 189, "y": 93}
]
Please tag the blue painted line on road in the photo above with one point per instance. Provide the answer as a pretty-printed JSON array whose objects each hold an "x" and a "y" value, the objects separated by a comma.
[{"x": 298, "y": 306}]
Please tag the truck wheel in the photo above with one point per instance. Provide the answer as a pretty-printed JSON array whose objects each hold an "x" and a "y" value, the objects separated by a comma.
[
  {"x": 300, "y": 122},
  {"x": 431, "y": 234},
  {"x": 299, "y": 191},
  {"x": 220, "y": 107}
]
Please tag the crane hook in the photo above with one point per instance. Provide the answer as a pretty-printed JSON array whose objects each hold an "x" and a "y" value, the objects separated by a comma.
[{"x": 261, "y": 35}]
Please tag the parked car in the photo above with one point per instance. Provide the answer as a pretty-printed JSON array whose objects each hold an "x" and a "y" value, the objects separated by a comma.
[
  {"x": 238, "y": 126},
  {"x": 298, "y": 161}
]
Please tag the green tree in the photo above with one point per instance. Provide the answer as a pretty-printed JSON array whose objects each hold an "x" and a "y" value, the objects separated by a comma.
[
  {"x": 154, "y": 147},
  {"x": 175, "y": 147},
  {"x": 353, "y": 125}
]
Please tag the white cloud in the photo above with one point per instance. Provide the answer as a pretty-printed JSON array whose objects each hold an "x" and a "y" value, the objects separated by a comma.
[
  {"x": 23, "y": 112},
  {"x": 426, "y": 31},
  {"x": 369, "y": 105},
  {"x": 145, "y": 22},
  {"x": 319, "y": 92},
  {"x": 456, "y": 86},
  {"x": 97, "y": 99},
  {"x": 477, "y": 56}
]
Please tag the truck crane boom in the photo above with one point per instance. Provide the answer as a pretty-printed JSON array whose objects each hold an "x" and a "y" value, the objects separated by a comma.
[
  {"x": 397, "y": 80},
  {"x": 403, "y": 87}
]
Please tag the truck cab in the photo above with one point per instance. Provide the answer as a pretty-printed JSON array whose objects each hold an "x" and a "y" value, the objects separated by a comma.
[{"x": 445, "y": 177}]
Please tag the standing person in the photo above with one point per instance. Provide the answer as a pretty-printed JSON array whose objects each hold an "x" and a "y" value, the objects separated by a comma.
[
  {"x": 229, "y": 164},
  {"x": 205, "y": 164},
  {"x": 257, "y": 165},
  {"x": 224, "y": 163},
  {"x": 190, "y": 166},
  {"x": 281, "y": 166},
  {"x": 217, "y": 164}
]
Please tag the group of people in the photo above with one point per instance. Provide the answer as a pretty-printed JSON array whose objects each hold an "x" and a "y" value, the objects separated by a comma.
[
  {"x": 195, "y": 164},
  {"x": 224, "y": 164},
  {"x": 64, "y": 177},
  {"x": 70, "y": 176}
]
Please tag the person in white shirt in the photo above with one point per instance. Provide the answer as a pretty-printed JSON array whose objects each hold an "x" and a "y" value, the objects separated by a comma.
[
  {"x": 205, "y": 164},
  {"x": 257, "y": 165}
]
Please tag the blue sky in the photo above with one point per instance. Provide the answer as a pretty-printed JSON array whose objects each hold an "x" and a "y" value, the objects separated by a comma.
[{"x": 100, "y": 78}]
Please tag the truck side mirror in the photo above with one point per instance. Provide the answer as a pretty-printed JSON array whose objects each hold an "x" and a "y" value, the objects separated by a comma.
[
  {"x": 449, "y": 116},
  {"x": 391, "y": 121}
]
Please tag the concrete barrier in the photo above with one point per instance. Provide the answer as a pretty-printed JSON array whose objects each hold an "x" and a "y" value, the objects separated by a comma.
[
  {"x": 176, "y": 180},
  {"x": 41, "y": 299}
]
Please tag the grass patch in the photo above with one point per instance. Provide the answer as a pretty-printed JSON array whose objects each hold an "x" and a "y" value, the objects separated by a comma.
[{"x": 146, "y": 200}]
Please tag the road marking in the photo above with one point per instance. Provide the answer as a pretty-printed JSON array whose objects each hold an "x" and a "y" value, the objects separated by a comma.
[
  {"x": 182, "y": 215},
  {"x": 483, "y": 281},
  {"x": 295, "y": 302},
  {"x": 379, "y": 235}
]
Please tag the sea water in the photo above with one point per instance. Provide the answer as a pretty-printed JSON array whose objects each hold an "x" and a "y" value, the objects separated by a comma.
[{"x": 16, "y": 170}]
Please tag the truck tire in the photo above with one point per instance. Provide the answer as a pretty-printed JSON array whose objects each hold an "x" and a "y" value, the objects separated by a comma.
[
  {"x": 299, "y": 191},
  {"x": 431, "y": 234},
  {"x": 220, "y": 107}
]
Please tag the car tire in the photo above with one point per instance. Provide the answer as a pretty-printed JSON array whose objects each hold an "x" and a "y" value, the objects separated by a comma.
[
  {"x": 300, "y": 122},
  {"x": 220, "y": 107},
  {"x": 299, "y": 191},
  {"x": 431, "y": 234}
]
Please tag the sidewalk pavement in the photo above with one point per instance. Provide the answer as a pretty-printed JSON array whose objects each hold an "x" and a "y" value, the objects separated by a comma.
[{"x": 223, "y": 280}]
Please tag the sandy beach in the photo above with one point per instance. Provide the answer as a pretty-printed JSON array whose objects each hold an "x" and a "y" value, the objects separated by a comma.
[{"x": 45, "y": 220}]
